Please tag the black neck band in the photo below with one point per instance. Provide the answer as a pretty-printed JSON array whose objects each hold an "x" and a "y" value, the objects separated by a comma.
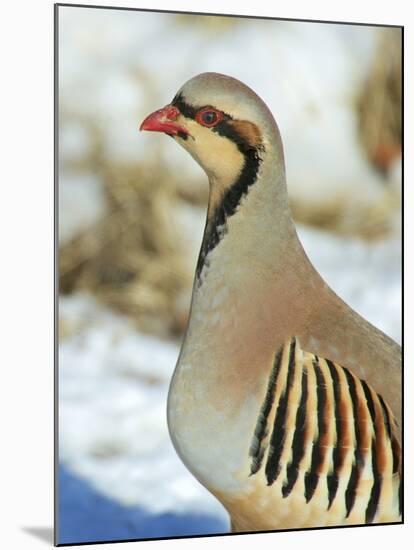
[{"x": 217, "y": 225}]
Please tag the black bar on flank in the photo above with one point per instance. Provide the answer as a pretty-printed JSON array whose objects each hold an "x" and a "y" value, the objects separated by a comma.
[
  {"x": 372, "y": 506},
  {"x": 350, "y": 493},
  {"x": 338, "y": 454},
  {"x": 312, "y": 476},
  {"x": 278, "y": 436},
  {"x": 256, "y": 448},
  {"x": 298, "y": 444}
]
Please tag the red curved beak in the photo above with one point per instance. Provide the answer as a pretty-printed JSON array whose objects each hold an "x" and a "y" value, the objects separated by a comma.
[{"x": 164, "y": 120}]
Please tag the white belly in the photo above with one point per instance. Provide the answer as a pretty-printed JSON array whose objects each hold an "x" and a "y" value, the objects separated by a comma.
[{"x": 207, "y": 437}]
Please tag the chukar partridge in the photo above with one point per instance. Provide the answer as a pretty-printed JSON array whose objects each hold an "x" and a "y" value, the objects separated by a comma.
[{"x": 284, "y": 403}]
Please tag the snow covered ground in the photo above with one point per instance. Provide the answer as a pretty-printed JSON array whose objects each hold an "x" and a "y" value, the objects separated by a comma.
[
  {"x": 113, "y": 388},
  {"x": 113, "y": 385}
]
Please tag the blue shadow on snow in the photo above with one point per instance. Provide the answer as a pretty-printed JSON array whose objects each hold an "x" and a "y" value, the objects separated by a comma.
[{"x": 85, "y": 515}]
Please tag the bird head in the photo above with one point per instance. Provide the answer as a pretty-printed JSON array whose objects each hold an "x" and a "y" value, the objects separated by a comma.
[
  {"x": 221, "y": 122},
  {"x": 232, "y": 134}
]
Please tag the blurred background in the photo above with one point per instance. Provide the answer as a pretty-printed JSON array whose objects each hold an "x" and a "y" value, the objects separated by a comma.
[{"x": 131, "y": 216}]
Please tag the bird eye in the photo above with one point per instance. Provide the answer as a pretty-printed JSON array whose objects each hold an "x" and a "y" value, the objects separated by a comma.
[{"x": 208, "y": 117}]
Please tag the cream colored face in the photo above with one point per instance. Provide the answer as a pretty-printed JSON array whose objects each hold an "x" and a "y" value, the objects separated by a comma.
[
  {"x": 218, "y": 155},
  {"x": 220, "y": 149}
]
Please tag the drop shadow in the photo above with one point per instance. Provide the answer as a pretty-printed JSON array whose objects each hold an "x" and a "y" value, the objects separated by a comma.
[{"x": 42, "y": 533}]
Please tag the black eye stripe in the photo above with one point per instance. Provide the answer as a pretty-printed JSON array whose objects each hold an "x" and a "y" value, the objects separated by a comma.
[
  {"x": 190, "y": 112},
  {"x": 183, "y": 107},
  {"x": 223, "y": 127}
]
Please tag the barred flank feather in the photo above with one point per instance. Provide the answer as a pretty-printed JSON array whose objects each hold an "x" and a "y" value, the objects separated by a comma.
[{"x": 352, "y": 449}]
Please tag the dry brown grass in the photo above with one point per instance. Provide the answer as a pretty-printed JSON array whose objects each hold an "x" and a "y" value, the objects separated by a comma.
[
  {"x": 379, "y": 110},
  {"x": 379, "y": 104},
  {"x": 133, "y": 260},
  {"x": 343, "y": 216}
]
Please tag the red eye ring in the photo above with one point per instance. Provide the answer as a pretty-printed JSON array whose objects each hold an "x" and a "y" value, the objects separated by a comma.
[{"x": 209, "y": 117}]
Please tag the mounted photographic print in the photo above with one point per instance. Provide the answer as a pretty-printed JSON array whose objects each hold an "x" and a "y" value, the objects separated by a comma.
[{"x": 229, "y": 274}]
